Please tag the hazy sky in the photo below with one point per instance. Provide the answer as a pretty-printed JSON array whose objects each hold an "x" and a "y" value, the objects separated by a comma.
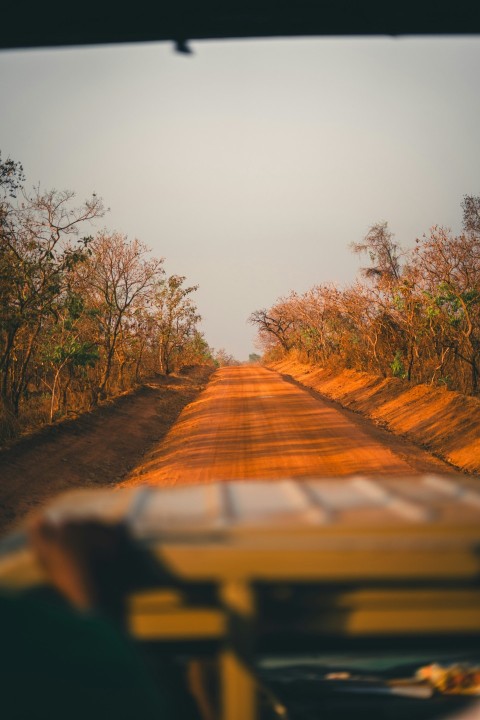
[{"x": 252, "y": 165}]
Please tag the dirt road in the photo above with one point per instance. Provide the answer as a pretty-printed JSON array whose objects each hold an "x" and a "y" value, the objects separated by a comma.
[
  {"x": 248, "y": 423},
  {"x": 251, "y": 423}
]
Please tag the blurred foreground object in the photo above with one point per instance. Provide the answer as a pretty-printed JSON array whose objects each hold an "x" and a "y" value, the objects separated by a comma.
[
  {"x": 104, "y": 22},
  {"x": 453, "y": 679},
  {"x": 243, "y": 569}
]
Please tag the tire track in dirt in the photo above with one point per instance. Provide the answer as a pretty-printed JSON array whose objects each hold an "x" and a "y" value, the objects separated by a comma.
[{"x": 250, "y": 423}]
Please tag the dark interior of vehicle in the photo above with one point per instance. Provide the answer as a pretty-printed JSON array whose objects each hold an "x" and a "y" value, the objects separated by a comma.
[{"x": 34, "y": 24}]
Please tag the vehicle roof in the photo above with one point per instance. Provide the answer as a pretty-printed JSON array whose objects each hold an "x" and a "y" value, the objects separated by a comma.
[{"x": 33, "y": 24}]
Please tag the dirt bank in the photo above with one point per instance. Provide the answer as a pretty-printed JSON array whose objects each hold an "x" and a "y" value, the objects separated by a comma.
[
  {"x": 446, "y": 423},
  {"x": 97, "y": 449}
]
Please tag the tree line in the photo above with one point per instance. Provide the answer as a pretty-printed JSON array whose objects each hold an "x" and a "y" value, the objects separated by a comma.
[
  {"x": 412, "y": 313},
  {"x": 82, "y": 317}
]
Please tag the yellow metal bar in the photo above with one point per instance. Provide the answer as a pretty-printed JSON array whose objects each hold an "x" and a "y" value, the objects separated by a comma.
[
  {"x": 181, "y": 624},
  {"x": 220, "y": 563},
  {"x": 239, "y": 695},
  {"x": 238, "y": 689}
]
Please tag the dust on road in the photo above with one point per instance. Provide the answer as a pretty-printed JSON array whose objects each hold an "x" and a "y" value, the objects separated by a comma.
[{"x": 250, "y": 423}]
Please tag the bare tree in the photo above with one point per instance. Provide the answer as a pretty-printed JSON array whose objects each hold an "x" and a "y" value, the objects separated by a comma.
[
  {"x": 384, "y": 254},
  {"x": 277, "y": 322},
  {"x": 118, "y": 277}
]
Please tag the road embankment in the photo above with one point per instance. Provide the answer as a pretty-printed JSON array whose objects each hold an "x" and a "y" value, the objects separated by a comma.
[
  {"x": 444, "y": 422},
  {"x": 97, "y": 449}
]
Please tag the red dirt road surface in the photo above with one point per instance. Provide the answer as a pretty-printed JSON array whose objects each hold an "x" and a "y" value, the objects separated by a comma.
[{"x": 251, "y": 423}]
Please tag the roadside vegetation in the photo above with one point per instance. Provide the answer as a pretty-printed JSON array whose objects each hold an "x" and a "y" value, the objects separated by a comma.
[
  {"x": 411, "y": 314},
  {"x": 83, "y": 317}
]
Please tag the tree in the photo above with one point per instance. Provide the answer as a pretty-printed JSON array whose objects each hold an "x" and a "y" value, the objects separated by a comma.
[
  {"x": 222, "y": 358},
  {"x": 176, "y": 318},
  {"x": 118, "y": 279},
  {"x": 81, "y": 317},
  {"x": 387, "y": 296},
  {"x": 471, "y": 214},
  {"x": 11, "y": 178},
  {"x": 277, "y": 323},
  {"x": 412, "y": 314},
  {"x": 384, "y": 254},
  {"x": 196, "y": 351},
  {"x": 64, "y": 346},
  {"x": 39, "y": 248},
  {"x": 449, "y": 268}
]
